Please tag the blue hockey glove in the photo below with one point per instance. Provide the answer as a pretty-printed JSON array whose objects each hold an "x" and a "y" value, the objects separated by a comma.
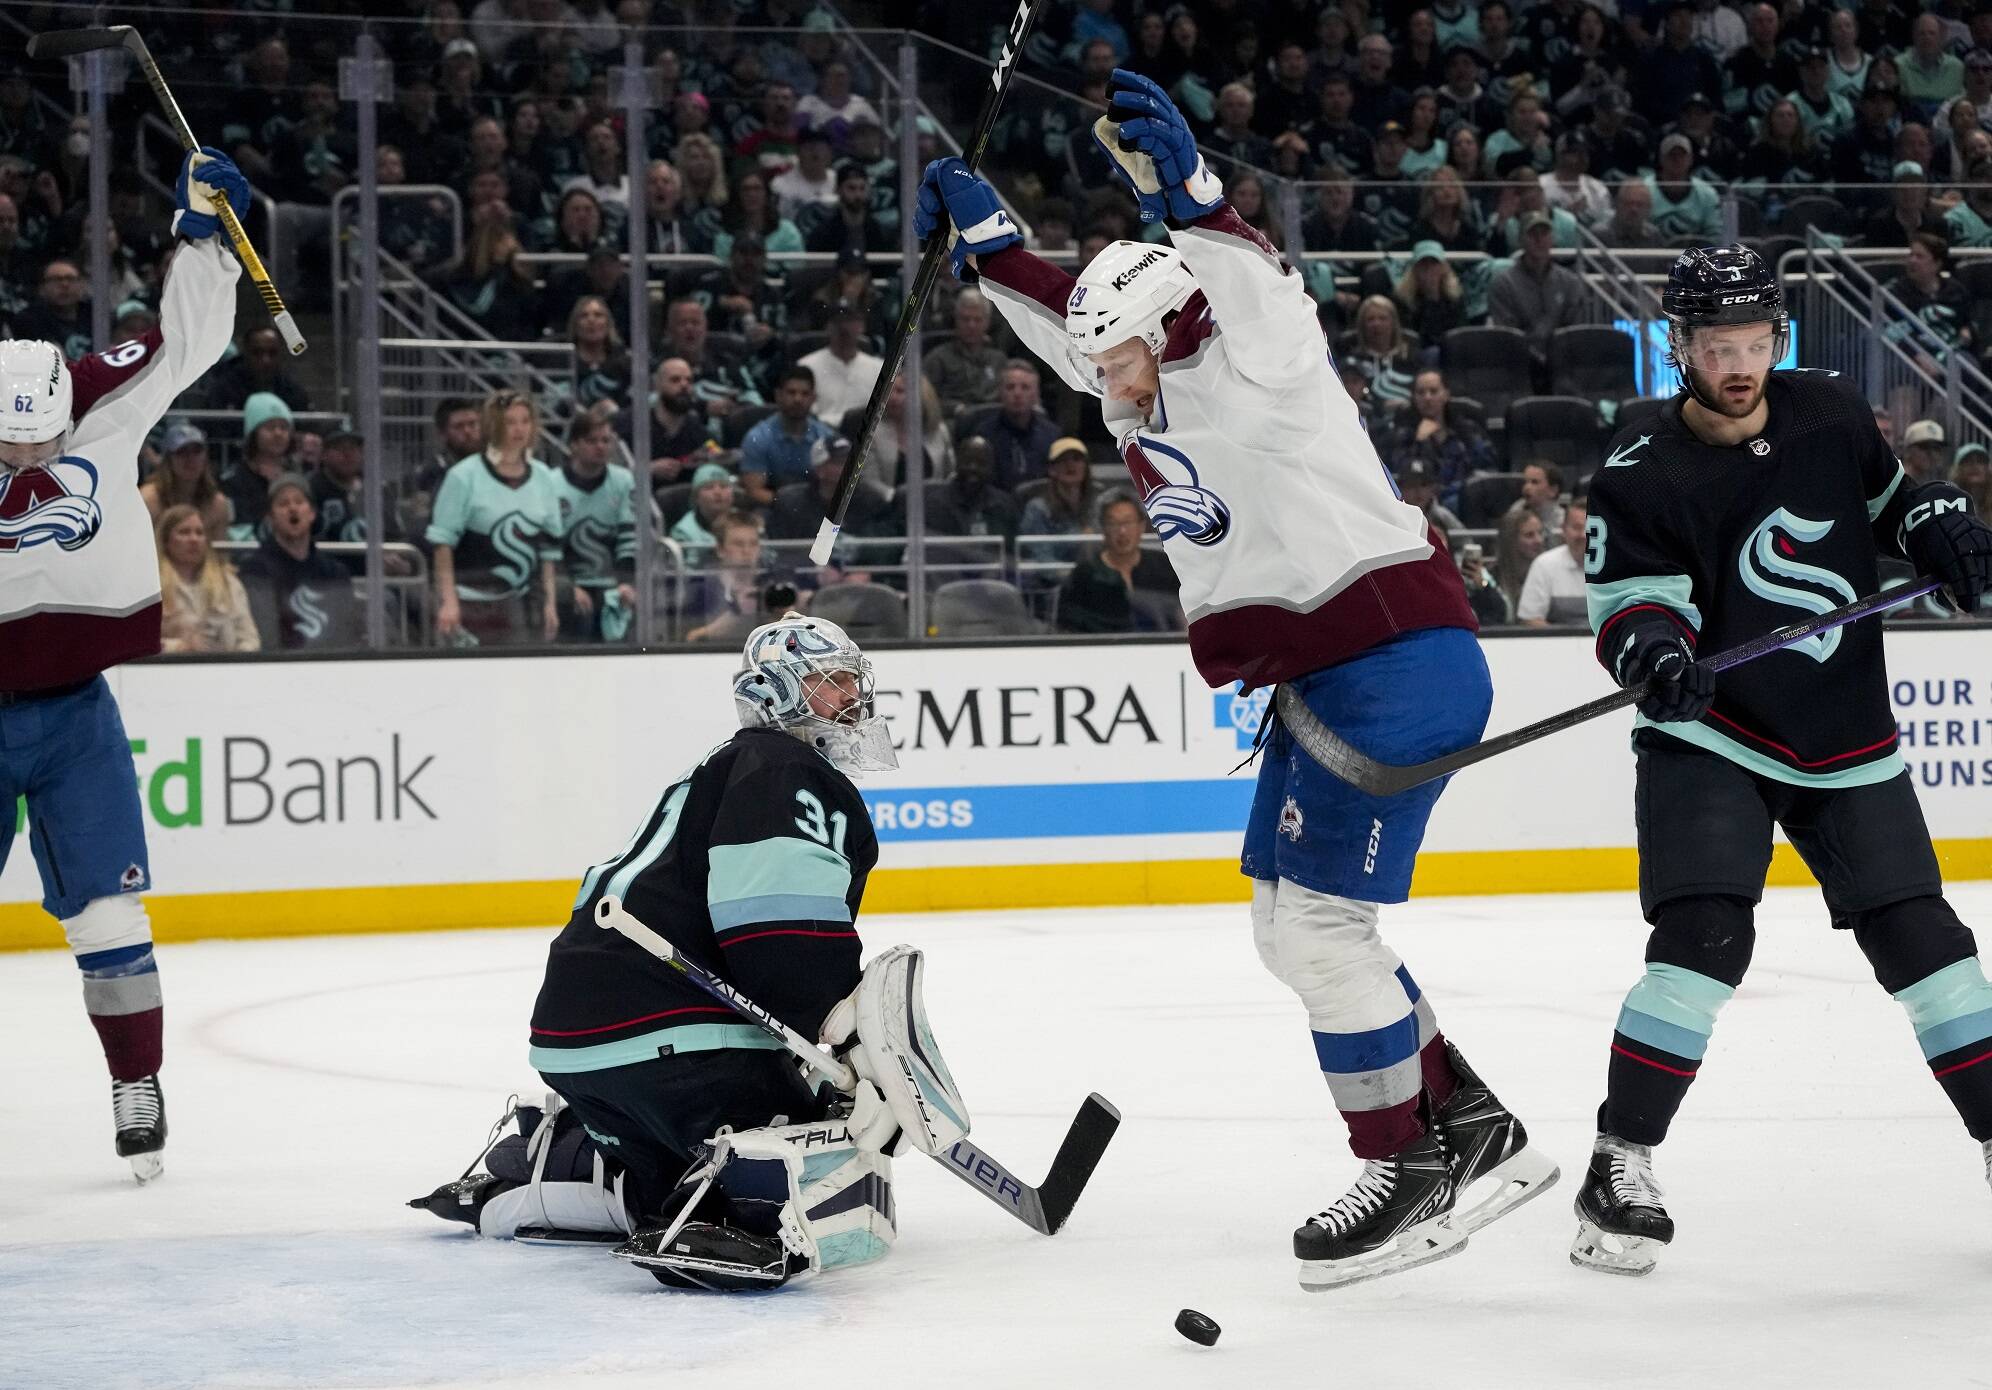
[
  {"x": 1150, "y": 124},
  {"x": 1944, "y": 540},
  {"x": 1682, "y": 688},
  {"x": 205, "y": 177},
  {"x": 950, "y": 191}
]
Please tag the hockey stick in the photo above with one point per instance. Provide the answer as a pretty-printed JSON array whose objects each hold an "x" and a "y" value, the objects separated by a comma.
[
  {"x": 1043, "y": 1208},
  {"x": 67, "y": 43},
  {"x": 923, "y": 284},
  {"x": 1385, "y": 779}
]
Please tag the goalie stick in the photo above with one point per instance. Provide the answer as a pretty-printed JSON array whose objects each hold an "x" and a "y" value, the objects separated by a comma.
[
  {"x": 1043, "y": 1207},
  {"x": 68, "y": 43},
  {"x": 1366, "y": 774}
]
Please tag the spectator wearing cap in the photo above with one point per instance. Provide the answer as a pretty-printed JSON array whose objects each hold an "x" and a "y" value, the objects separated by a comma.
[
  {"x": 1234, "y": 138},
  {"x": 848, "y": 224},
  {"x": 1675, "y": 68},
  {"x": 679, "y": 432},
  {"x": 300, "y": 596},
  {"x": 1929, "y": 292},
  {"x": 1923, "y": 451},
  {"x": 1866, "y": 153},
  {"x": 833, "y": 107},
  {"x": 1631, "y": 223},
  {"x": 845, "y": 373},
  {"x": 751, "y": 210},
  {"x": 1429, "y": 297},
  {"x": 1534, "y": 293},
  {"x": 1971, "y": 470},
  {"x": 133, "y": 320},
  {"x": 1714, "y": 152},
  {"x": 1121, "y": 587},
  {"x": 1419, "y": 486},
  {"x": 1683, "y": 205},
  {"x": 185, "y": 477},
  {"x": 1908, "y": 212},
  {"x": 1017, "y": 429},
  {"x": 202, "y": 607},
  {"x": 800, "y": 507},
  {"x": 776, "y": 451},
  {"x": 1826, "y": 111},
  {"x": 257, "y": 366},
  {"x": 339, "y": 500},
  {"x": 1333, "y": 136},
  {"x": 1388, "y": 196},
  {"x": 809, "y": 181},
  {"x": 267, "y": 436},
  {"x": 1570, "y": 186},
  {"x": 1759, "y": 72},
  {"x": 714, "y": 494},
  {"x": 1463, "y": 99},
  {"x": 1619, "y": 147},
  {"x": 1553, "y": 593},
  {"x": 1526, "y": 129},
  {"x": 1426, "y": 435},
  {"x": 1068, "y": 505},
  {"x": 1931, "y": 73}
]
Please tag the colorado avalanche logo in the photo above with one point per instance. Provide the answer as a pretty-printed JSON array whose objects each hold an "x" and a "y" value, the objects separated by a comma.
[
  {"x": 53, "y": 502},
  {"x": 1176, "y": 503},
  {"x": 1767, "y": 556}
]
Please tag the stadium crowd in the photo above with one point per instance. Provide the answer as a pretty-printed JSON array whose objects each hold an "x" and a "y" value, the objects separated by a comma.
[{"x": 1445, "y": 156}]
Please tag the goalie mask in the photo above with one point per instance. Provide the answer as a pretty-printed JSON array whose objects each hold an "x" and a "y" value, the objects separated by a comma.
[
  {"x": 36, "y": 396},
  {"x": 806, "y": 677}
]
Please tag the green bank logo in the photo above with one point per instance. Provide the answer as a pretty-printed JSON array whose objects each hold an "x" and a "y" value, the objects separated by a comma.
[{"x": 250, "y": 781}]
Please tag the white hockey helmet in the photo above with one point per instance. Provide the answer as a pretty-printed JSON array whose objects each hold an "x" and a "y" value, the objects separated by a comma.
[
  {"x": 1126, "y": 292},
  {"x": 783, "y": 662},
  {"x": 35, "y": 392}
]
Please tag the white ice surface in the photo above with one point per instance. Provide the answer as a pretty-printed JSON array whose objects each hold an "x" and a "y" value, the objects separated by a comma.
[{"x": 1835, "y": 1227}]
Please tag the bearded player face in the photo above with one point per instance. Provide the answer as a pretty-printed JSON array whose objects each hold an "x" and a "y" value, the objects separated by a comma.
[{"x": 1730, "y": 363}]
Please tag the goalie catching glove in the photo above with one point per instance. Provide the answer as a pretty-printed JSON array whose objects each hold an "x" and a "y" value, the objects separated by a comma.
[
  {"x": 1154, "y": 152},
  {"x": 881, "y": 1027}
]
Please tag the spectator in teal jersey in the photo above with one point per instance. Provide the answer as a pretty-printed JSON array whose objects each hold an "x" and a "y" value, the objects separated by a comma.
[
  {"x": 1969, "y": 223},
  {"x": 496, "y": 536},
  {"x": 1683, "y": 205}
]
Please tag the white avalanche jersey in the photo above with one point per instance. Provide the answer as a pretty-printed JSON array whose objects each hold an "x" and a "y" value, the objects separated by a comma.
[
  {"x": 1293, "y": 548},
  {"x": 79, "y": 571}
]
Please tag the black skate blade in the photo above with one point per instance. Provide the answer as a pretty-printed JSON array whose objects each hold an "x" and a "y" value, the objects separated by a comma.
[
  {"x": 705, "y": 1255},
  {"x": 553, "y": 1235}
]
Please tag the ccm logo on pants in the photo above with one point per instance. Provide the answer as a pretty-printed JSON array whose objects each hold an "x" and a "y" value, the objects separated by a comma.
[{"x": 1375, "y": 839}]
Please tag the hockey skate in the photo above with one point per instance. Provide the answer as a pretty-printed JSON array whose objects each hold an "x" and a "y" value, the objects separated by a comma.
[
  {"x": 1620, "y": 1221},
  {"x": 1396, "y": 1217},
  {"x": 1493, "y": 1168},
  {"x": 709, "y": 1255},
  {"x": 138, "y": 1110}
]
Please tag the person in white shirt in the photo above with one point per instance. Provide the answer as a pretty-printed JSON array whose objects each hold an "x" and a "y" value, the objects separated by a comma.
[
  {"x": 810, "y": 179},
  {"x": 845, "y": 372},
  {"x": 1571, "y": 186},
  {"x": 1553, "y": 594}
]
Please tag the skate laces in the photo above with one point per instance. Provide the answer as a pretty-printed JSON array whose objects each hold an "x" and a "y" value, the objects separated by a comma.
[
  {"x": 136, "y": 1104},
  {"x": 1373, "y": 1188},
  {"x": 1631, "y": 1173}
]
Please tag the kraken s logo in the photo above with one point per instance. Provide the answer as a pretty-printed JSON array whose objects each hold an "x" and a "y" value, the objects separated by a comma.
[
  {"x": 1176, "y": 501},
  {"x": 305, "y": 612},
  {"x": 591, "y": 543},
  {"x": 516, "y": 539},
  {"x": 1768, "y": 555},
  {"x": 53, "y": 502}
]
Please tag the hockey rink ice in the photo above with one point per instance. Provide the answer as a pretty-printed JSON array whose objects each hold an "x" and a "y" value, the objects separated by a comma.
[{"x": 1834, "y": 1223}]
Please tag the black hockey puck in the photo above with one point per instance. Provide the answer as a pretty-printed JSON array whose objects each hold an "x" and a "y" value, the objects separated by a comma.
[{"x": 1197, "y": 1327}]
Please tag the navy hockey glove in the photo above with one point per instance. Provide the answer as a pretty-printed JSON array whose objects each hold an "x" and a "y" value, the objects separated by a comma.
[
  {"x": 1150, "y": 123},
  {"x": 951, "y": 192},
  {"x": 206, "y": 176},
  {"x": 1944, "y": 540},
  {"x": 1682, "y": 688}
]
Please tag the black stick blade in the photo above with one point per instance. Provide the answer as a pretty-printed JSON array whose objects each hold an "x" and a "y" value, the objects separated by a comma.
[
  {"x": 1092, "y": 1130},
  {"x": 65, "y": 43}
]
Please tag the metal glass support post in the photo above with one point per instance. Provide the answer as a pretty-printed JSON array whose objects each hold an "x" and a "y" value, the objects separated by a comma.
[
  {"x": 912, "y": 428},
  {"x": 631, "y": 84},
  {"x": 97, "y": 75},
  {"x": 367, "y": 79}
]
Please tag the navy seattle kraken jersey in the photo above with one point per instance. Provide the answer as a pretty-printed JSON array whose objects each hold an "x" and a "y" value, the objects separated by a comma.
[
  {"x": 753, "y": 865},
  {"x": 1726, "y": 543}
]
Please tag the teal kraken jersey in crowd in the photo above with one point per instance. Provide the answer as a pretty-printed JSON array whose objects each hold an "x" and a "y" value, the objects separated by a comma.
[
  {"x": 500, "y": 530},
  {"x": 597, "y": 526}
]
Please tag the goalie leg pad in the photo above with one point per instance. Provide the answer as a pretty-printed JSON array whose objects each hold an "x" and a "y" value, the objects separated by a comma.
[
  {"x": 561, "y": 1183},
  {"x": 829, "y": 1198},
  {"x": 897, "y": 1052}
]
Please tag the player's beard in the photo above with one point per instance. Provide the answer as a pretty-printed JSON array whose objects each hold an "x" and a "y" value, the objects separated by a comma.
[{"x": 1717, "y": 390}]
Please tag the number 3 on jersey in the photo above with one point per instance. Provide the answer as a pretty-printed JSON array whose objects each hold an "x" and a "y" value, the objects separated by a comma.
[
  {"x": 811, "y": 822},
  {"x": 1594, "y": 543}
]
